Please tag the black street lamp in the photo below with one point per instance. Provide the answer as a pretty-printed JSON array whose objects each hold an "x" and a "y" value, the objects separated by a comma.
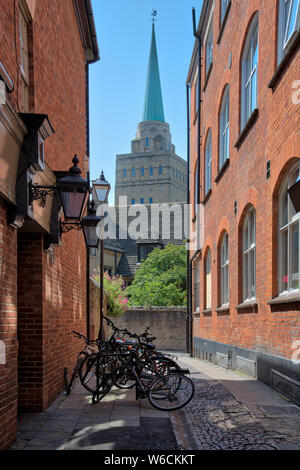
[
  {"x": 101, "y": 189},
  {"x": 89, "y": 226}
]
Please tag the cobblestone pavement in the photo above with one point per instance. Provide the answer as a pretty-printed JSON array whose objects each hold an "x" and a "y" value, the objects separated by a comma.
[{"x": 220, "y": 421}]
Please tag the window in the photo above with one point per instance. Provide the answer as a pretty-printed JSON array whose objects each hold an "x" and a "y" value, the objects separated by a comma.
[
  {"x": 151, "y": 170},
  {"x": 224, "y": 270},
  {"x": 150, "y": 200},
  {"x": 249, "y": 73},
  {"x": 132, "y": 201},
  {"x": 145, "y": 250},
  {"x": 249, "y": 256},
  {"x": 179, "y": 173},
  {"x": 147, "y": 142},
  {"x": 224, "y": 129},
  {"x": 133, "y": 172},
  {"x": 208, "y": 159},
  {"x": 196, "y": 287},
  {"x": 142, "y": 200},
  {"x": 142, "y": 171},
  {"x": 196, "y": 192},
  {"x": 208, "y": 304},
  {"x": 160, "y": 170},
  {"x": 209, "y": 48},
  {"x": 288, "y": 25},
  {"x": 196, "y": 94},
  {"x": 224, "y": 6},
  {"x": 93, "y": 251},
  {"x": 124, "y": 173},
  {"x": 289, "y": 221},
  {"x": 24, "y": 67}
]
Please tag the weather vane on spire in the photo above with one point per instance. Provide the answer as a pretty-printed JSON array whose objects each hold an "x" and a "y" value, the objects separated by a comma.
[{"x": 154, "y": 14}]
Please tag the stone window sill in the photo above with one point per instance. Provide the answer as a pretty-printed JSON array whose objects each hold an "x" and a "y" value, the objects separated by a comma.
[
  {"x": 222, "y": 170},
  {"x": 207, "y": 312},
  {"x": 196, "y": 315},
  {"x": 284, "y": 63},
  {"x": 223, "y": 308},
  {"x": 208, "y": 194},
  {"x": 248, "y": 304},
  {"x": 249, "y": 124},
  {"x": 285, "y": 299},
  {"x": 224, "y": 23},
  {"x": 207, "y": 77}
]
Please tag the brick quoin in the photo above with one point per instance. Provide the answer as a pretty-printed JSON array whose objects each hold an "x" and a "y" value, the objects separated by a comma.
[
  {"x": 42, "y": 297},
  {"x": 273, "y": 137}
]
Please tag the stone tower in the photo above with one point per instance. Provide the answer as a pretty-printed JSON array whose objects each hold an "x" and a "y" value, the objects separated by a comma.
[{"x": 152, "y": 173}]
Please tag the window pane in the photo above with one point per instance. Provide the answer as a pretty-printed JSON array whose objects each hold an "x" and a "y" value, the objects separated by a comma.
[
  {"x": 252, "y": 273},
  {"x": 254, "y": 91},
  {"x": 284, "y": 261},
  {"x": 285, "y": 213},
  {"x": 295, "y": 257},
  {"x": 291, "y": 20},
  {"x": 246, "y": 278}
]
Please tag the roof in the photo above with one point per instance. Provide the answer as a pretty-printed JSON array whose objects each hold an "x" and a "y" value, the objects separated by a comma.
[
  {"x": 153, "y": 108},
  {"x": 129, "y": 247},
  {"x": 87, "y": 29}
]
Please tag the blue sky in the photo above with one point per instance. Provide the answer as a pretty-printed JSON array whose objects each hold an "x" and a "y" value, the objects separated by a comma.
[{"x": 118, "y": 81}]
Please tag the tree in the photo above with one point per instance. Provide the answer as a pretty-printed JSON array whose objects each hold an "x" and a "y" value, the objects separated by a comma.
[{"x": 161, "y": 279}]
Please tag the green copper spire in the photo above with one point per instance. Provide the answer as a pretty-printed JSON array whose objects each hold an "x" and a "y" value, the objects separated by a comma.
[{"x": 154, "y": 108}]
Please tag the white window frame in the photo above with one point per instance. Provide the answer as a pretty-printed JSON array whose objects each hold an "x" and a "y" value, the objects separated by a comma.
[
  {"x": 248, "y": 81},
  {"x": 224, "y": 129},
  {"x": 249, "y": 256},
  {"x": 224, "y": 270},
  {"x": 286, "y": 227},
  {"x": 208, "y": 162},
  {"x": 196, "y": 287},
  {"x": 208, "y": 283},
  {"x": 284, "y": 39}
]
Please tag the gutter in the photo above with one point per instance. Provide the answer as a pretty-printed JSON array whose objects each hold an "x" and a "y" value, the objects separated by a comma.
[{"x": 92, "y": 27}]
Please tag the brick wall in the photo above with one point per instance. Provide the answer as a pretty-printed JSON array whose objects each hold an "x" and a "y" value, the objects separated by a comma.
[
  {"x": 274, "y": 136},
  {"x": 8, "y": 330},
  {"x": 168, "y": 325},
  {"x": 52, "y": 289}
]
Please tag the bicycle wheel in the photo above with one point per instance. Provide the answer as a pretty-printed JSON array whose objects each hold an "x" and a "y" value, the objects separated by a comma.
[
  {"x": 125, "y": 382},
  {"x": 171, "y": 392},
  {"x": 74, "y": 376}
]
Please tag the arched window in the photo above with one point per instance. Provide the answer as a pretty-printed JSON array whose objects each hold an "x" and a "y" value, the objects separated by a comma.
[
  {"x": 147, "y": 142},
  {"x": 224, "y": 270},
  {"x": 289, "y": 220},
  {"x": 142, "y": 171},
  {"x": 224, "y": 129},
  {"x": 249, "y": 73},
  {"x": 208, "y": 303},
  {"x": 160, "y": 170},
  {"x": 151, "y": 170},
  {"x": 196, "y": 287},
  {"x": 208, "y": 159},
  {"x": 249, "y": 256},
  {"x": 288, "y": 25}
]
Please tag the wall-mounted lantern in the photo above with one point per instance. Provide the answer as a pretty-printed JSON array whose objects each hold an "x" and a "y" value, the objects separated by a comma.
[{"x": 73, "y": 190}]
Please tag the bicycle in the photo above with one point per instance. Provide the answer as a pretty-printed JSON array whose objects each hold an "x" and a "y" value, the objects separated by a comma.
[{"x": 166, "y": 392}]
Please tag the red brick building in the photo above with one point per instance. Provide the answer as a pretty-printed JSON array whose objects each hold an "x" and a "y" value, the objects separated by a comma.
[
  {"x": 245, "y": 108},
  {"x": 46, "y": 48}
]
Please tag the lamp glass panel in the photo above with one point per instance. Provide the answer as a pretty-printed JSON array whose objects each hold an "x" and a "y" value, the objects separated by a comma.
[
  {"x": 91, "y": 238},
  {"x": 101, "y": 194},
  {"x": 73, "y": 203}
]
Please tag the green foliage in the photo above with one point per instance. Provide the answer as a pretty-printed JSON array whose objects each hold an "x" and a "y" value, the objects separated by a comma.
[
  {"x": 161, "y": 279},
  {"x": 115, "y": 293}
]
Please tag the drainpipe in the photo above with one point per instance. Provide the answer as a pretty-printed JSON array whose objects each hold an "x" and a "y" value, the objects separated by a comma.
[{"x": 188, "y": 277}]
